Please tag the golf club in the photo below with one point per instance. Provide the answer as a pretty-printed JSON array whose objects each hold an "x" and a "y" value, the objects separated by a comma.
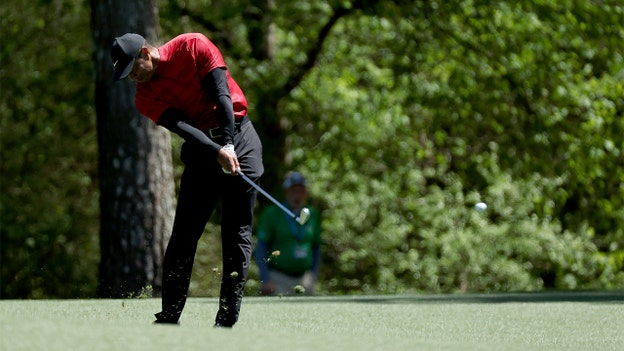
[{"x": 305, "y": 212}]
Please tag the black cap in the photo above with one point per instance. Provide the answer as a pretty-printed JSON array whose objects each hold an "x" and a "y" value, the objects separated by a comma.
[
  {"x": 125, "y": 49},
  {"x": 294, "y": 178}
]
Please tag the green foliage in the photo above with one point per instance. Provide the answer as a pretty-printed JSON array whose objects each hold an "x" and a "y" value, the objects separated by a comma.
[
  {"x": 412, "y": 113},
  {"x": 415, "y": 118},
  {"x": 48, "y": 199}
]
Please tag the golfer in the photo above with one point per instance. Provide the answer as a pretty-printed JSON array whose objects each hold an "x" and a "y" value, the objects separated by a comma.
[{"x": 184, "y": 86}]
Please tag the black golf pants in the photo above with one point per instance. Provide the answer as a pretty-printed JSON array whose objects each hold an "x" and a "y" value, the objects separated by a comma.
[{"x": 202, "y": 185}]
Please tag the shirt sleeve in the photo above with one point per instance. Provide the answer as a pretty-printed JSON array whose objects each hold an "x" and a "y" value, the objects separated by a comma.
[
  {"x": 207, "y": 56},
  {"x": 215, "y": 82}
]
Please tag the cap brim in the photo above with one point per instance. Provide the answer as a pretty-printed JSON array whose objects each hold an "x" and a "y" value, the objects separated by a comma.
[{"x": 122, "y": 71}]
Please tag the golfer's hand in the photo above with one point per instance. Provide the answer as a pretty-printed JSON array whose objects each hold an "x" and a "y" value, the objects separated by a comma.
[{"x": 228, "y": 160}]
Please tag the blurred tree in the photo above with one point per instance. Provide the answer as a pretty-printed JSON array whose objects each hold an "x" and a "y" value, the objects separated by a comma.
[
  {"x": 406, "y": 99},
  {"x": 48, "y": 178},
  {"x": 135, "y": 169},
  {"x": 468, "y": 98}
]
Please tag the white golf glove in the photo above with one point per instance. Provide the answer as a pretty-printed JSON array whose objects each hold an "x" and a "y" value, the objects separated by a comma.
[{"x": 230, "y": 149}]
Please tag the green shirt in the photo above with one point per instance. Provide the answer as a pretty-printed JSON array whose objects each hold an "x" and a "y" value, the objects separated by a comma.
[{"x": 294, "y": 242}]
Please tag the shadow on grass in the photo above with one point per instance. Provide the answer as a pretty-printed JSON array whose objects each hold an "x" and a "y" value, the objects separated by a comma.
[{"x": 616, "y": 297}]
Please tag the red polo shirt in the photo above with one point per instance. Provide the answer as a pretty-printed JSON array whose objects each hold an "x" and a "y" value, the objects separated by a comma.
[{"x": 184, "y": 61}]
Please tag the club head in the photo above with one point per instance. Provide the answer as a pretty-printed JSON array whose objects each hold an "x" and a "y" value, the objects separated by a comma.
[{"x": 303, "y": 216}]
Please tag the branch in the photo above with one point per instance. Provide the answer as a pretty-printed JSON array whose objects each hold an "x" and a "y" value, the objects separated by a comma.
[
  {"x": 220, "y": 37},
  {"x": 314, "y": 51}
]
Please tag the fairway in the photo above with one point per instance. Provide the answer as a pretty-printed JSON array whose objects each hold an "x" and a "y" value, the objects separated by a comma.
[{"x": 522, "y": 321}]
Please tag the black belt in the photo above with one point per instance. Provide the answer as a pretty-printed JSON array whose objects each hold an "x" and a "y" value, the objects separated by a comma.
[{"x": 214, "y": 133}]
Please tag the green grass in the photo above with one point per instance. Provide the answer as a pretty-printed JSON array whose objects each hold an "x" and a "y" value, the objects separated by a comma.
[{"x": 525, "y": 321}]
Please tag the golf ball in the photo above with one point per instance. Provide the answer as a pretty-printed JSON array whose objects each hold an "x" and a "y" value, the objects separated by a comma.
[{"x": 481, "y": 206}]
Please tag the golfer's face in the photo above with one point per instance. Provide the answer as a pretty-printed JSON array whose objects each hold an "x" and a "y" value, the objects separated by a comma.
[{"x": 143, "y": 68}]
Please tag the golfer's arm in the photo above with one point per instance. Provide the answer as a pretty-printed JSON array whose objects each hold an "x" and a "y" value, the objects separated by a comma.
[
  {"x": 215, "y": 82},
  {"x": 172, "y": 120}
]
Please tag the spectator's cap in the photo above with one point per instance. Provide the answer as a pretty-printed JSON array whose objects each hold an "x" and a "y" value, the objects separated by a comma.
[
  {"x": 294, "y": 178},
  {"x": 124, "y": 51}
]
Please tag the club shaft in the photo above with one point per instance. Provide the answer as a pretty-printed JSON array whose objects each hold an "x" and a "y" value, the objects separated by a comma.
[{"x": 267, "y": 195}]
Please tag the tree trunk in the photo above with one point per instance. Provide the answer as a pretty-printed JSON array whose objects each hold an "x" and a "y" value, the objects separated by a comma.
[{"x": 135, "y": 167}]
